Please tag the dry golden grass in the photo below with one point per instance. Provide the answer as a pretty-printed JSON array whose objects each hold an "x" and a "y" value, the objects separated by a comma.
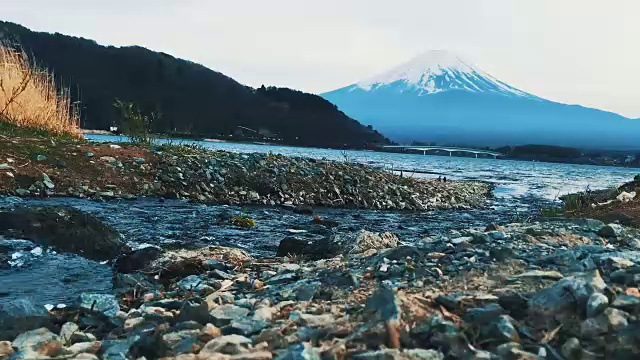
[{"x": 29, "y": 99}]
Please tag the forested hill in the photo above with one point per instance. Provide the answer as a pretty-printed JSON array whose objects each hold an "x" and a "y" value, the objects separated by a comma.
[{"x": 190, "y": 97}]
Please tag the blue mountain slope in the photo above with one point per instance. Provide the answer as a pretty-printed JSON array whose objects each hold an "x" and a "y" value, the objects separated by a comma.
[{"x": 447, "y": 101}]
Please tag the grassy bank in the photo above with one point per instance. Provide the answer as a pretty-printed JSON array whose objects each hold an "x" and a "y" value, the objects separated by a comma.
[
  {"x": 620, "y": 204},
  {"x": 29, "y": 98}
]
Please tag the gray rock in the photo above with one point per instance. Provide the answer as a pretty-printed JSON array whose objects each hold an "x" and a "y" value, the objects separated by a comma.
[
  {"x": 610, "y": 231},
  {"x": 610, "y": 320},
  {"x": 283, "y": 278},
  {"x": 245, "y": 327},
  {"x": 596, "y": 304},
  {"x": 65, "y": 228},
  {"x": 67, "y": 330},
  {"x": 41, "y": 158},
  {"x": 384, "y": 303},
  {"x": 311, "y": 320},
  {"x": 299, "y": 351},
  {"x": 572, "y": 349},
  {"x": 228, "y": 344},
  {"x": 483, "y": 315},
  {"x": 565, "y": 293},
  {"x": 181, "y": 342},
  {"x": 626, "y": 302},
  {"x": 395, "y": 354},
  {"x": 22, "y": 192},
  {"x": 219, "y": 274},
  {"x": 47, "y": 181},
  {"x": 438, "y": 333},
  {"x": 194, "y": 283},
  {"x": 514, "y": 351},
  {"x": 538, "y": 274},
  {"x": 117, "y": 349},
  {"x": 502, "y": 330},
  {"x": 38, "y": 343},
  {"x": 589, "y": 224},
  {"x": 363, "y": 240},
  {"x": 191, "y": 311},
  {"x": 18, "y": 316},
  {"x": 106, "y": 304},
  {"x": 302, "y": 290},
  {"x": 497, "y": 235},
  {"x": 225, "y": 314},
  {"x": 6, "y": 350},
  {"x": 265, "y": 313}
]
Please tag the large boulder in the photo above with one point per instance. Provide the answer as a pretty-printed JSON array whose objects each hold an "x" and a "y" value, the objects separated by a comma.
[
  {"x": 65, "y": 228},
  {"x": 21, "y": 315}
]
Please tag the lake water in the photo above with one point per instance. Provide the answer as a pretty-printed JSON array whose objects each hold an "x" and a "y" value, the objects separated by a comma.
[{"x": 521, "y": 188}]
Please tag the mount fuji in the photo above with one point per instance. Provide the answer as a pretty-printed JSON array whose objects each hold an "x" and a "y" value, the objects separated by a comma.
[{"x": 438, "y": 97}]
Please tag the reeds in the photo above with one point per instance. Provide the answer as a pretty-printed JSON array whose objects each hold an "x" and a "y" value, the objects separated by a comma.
[{"x": 29, "y": 97}]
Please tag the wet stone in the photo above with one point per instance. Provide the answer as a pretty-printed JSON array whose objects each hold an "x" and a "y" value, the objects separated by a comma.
[
  {"x": 504, "y": 330},
  {"x": 67, "y": 330},
  {"x": 497, "y": 235},
  {"x": 213, "y": 264},
  {"x": 283, "y": 278},
  {"x": 219, "y": 274},
  {"x": 502, "y": 253},
  {"x": 225, "y": 314},
  {"x": 566, "y": 292},
  {"x": 191, "y": 311},
  {"x": 299, "y": 351},
  {"x": 395, "y": 354},
  {"x": 228, "y": 344},
  {"x": 610, "y": 320},
  {"x": 571, "y": 349},
  {"x": 106, "y": 304},
  {"x": 610, "y": 231},
  {"x": 483, "y": 315},
  {"x": 596, "y": 304},
  {"x": 115, "y": 349},
  {"x": 194, "y": 283},
  {"x": 245, "y": 327},
  {"x": 273, "y": 337},
  {"x": 311, "y": 320},
  {"x": 182, "y": 341},
  {"x": 6, "y": 350},
  {"x": 38, "y": 343},
  {"x": 626, "y": 302},
  {"x": 18, "y": 316}
]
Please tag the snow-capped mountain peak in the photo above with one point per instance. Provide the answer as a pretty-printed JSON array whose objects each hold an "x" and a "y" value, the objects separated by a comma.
[{"x": 437, "y": 71}]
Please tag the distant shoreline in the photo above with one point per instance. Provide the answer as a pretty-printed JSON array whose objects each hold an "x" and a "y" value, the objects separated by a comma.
[{"x": 613, "y": 158}]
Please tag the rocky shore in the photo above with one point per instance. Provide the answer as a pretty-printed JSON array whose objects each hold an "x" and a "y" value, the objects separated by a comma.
[
  {"x": 620, "y": 204},
  {"x": 552, "y": 289},
  {"x": 33, "y": 167}
]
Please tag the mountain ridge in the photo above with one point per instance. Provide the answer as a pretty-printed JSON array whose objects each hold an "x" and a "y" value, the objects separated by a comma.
[
  {"x": 463, "y": 104},
  {"x": 192, "y": 99}
]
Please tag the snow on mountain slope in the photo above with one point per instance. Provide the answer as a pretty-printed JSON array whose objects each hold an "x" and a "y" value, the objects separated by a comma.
[
  {"x": 436, "y": 71},
  {"x": 439, "y": 97}
]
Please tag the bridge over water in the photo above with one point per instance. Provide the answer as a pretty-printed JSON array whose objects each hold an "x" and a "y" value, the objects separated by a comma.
[{"x": 450, "y": 149}]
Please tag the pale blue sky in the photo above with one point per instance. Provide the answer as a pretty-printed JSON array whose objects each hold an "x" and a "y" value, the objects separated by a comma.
[{"x": 572, "y": 51}]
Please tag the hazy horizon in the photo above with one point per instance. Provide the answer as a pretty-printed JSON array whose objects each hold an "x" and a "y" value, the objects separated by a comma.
[{"x": 576, "y": 52}]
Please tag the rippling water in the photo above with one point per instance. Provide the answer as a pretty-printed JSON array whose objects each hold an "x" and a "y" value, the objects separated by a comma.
[{"x": 521, "y": 187}]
